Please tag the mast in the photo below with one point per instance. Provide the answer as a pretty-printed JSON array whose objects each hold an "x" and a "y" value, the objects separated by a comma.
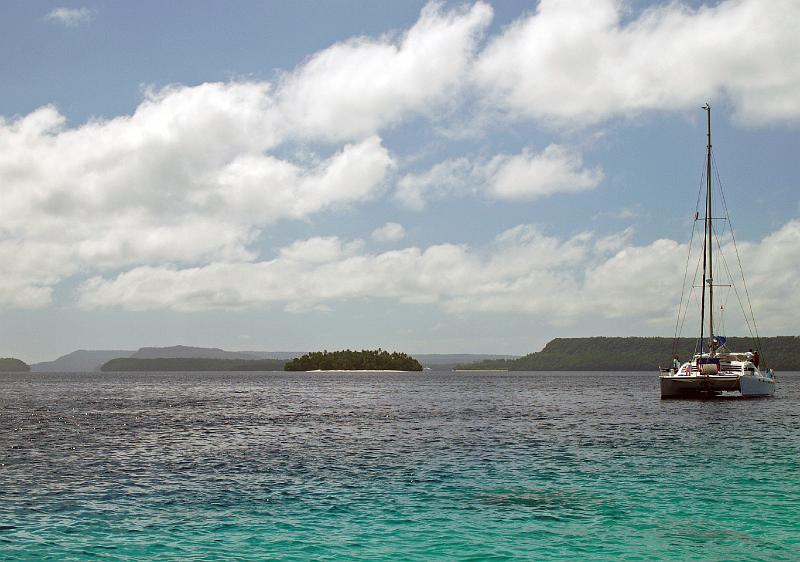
[{"x": 708, "y": 244}]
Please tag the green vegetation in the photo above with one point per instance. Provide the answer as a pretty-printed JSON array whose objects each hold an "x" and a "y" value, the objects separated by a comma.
[
  {"x": 191, "y": 364},
  {"x": 637, "y": 354},
  {"x": 365, "y": 360},
  {"x": 11, "y": 365}
]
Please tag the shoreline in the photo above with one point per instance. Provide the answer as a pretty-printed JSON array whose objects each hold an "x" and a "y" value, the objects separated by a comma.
[{"x": 355, "y": 371}]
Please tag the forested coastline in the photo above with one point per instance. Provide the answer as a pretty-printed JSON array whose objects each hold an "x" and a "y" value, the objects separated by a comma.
[{"x": 637, "y": 354}]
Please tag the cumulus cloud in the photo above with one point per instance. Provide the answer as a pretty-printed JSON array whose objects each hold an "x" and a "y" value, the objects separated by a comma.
[
  {"x": 440, "y": 273},
  {"x": 71, "y": 17},
  {"x": 525, "y": 176},
  {"x": 451, "y": 177},
  {"x": 182, "y": 187},
  {"x": 187, "y": 177},
  {"x": 523, "y": 270},
  {"x": 358, "y": 86},
  {"x": 319, "y": 250},
  {"x": 772, "y": 278},
  {"x": 580, "y": 62},
  {"x": 195, "y": 172},
  {"x": 528, "y": 176},
  {"x": 389, "y": 232}
]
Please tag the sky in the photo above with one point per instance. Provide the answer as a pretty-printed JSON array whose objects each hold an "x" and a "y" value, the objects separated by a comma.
[{"x": 429, "y": 177}]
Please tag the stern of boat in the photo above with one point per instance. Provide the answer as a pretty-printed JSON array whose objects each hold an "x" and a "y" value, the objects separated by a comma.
[
  {"x": 759, "y": 384},
  {"x": 697, "y": 386}
]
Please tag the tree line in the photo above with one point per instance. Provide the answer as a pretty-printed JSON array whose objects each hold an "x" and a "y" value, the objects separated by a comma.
[
  {"x": 347, "y": 360},
  {"x": 639, "y": 354}
]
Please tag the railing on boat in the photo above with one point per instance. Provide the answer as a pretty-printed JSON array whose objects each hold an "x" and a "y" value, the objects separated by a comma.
[{"x": 725, "y": 368}]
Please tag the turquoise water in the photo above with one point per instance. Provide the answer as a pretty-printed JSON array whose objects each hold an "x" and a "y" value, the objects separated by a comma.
[{"x": 439, "y": 466}]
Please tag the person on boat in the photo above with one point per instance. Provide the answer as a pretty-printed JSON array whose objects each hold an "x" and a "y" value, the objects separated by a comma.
[
  {"x": 756, "y": 358},
  {"x": 676, "y": 363},
  {"x": 750, "y": 355}
]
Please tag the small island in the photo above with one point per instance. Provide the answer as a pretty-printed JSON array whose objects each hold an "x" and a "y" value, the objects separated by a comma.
[
  {"x": 364, "y": 360},
  {"x": 11, "y": 365}
]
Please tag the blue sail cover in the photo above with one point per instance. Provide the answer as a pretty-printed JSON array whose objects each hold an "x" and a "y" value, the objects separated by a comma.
[{"x": 708, "y": 361}]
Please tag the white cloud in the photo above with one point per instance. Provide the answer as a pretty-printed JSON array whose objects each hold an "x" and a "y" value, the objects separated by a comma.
[
  {"x": 264, "y": 188},
  {"x": 575, "y": 61},
  {"x": 389, "y": 232},
  {"x": 529, "y": 176},
  {"x": 181, "y": 188},
  {"x": 523, "y": 271},
  {"x": 187, "y": 178},
  {"x": 444, "y": 179},
  {"x": 71, "y": 17},
  {"x": 319, "y": 250},
  {"x": 525, "y": 176},
  {"x": 195, "y": 172},
  {"x": 771, "y": 268},
  {"x": 356, "y": 87}
]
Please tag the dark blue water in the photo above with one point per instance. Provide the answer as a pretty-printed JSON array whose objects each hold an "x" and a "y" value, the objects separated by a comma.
[{"x": 370, "y": 466}]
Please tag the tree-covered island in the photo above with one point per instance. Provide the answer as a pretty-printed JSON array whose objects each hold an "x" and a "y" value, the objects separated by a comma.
[
  {"x": 11, "y": 365},
  {"x": 364, "y": 360}
]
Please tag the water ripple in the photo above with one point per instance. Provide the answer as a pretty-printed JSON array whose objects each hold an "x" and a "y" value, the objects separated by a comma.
[{"x": 182, "y": 466}]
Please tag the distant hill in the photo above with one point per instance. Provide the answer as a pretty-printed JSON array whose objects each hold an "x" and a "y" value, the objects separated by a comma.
[
  {"x": 84, "y": 361},
  {"x": 11, "y": 365},
  {"x": 450, "y": 360},
  {"x": 636, "y": 354},
  {"x": 81, "y": 361},
  {"x": 133, "y": 364},
  {"x": 185, "y": 352},
  {"x": 276, "y": 354}
]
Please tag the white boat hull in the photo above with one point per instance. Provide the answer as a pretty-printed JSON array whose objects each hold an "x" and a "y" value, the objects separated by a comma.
[{"x": 757, "y": 385}]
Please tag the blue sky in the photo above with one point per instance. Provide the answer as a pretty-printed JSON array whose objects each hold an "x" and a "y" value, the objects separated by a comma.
[{"x": 429, "y": 177}]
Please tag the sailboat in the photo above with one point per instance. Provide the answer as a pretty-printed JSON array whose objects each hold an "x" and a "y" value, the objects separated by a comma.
[{"x": 714, "y": 370}]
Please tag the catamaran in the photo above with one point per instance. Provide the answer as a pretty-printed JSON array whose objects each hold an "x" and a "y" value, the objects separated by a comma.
[{"x": 714, "y": 370}]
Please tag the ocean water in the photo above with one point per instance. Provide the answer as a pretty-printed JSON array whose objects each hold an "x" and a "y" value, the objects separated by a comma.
[{"x": 371, "y": 466}]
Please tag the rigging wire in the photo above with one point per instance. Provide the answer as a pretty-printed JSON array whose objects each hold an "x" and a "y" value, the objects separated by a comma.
[
  {"x": 683, "y": 291},
  {"x": 681, "y": 321},
  {"x": 692, "y": 293},
  {"x": 698, "y": 343},
  {"x": 683, "y": 311},
  {"x": 735, "y": 290},
  {"x": 721, "y": 263},
  {"x": 738, "y": 257}
]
